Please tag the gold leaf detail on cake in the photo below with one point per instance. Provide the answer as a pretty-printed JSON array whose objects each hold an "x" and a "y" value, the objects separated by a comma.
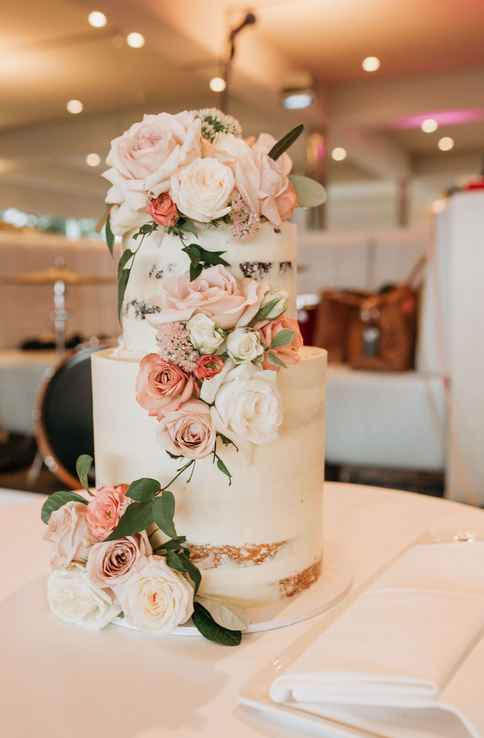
[
  {"x": 250, "y": 554},
  {"x": 296, "y": 583}
]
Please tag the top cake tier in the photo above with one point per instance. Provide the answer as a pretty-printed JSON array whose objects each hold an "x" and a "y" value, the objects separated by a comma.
[{"x": 270, "y": 255}]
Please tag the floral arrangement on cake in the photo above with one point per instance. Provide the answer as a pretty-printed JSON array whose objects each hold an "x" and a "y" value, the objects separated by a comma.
[
  {"x": 116, "y": 554},
  {"x": 221, "y": 343}
]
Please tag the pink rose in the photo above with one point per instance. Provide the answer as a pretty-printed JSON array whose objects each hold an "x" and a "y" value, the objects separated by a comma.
[
  {"x": 215, "y": 293},
  {"x": 289, "y": 353},
  {"x": 287, "y": 202},
  {"x": 111, "y": 563},
  {"x": 68, "y": 530},
  {"x": 189, "y": 431},
  {"x": 162, "y": 386},
  {"x": 163, "y": 210},
  {"x": 208, "y": 366},
  {"x": 105, "y": 510}
]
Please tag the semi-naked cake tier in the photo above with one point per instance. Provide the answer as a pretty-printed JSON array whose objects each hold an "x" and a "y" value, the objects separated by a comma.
[
  {"x": 269, "y": 255},
  {"x": 259, "y": 539}
]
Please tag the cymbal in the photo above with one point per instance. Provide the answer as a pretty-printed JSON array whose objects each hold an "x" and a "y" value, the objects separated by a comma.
[{"x": 52, "y": 275}]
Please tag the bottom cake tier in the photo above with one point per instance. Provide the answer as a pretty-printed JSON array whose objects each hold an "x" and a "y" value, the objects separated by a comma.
[{"x": 259, "y": 539}]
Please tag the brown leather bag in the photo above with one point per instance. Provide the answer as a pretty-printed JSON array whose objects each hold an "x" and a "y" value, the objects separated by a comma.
[{"x": 375, "y": 331}]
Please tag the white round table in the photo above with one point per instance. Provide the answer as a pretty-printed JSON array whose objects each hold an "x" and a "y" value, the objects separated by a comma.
[{"x": 121, "y": 684}]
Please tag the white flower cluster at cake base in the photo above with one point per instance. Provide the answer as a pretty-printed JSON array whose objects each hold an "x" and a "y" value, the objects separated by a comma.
[
  {"x": 221, "y": 343},
  {"x": 116, "y": 553},
  {"x": 195, "y": 165}
]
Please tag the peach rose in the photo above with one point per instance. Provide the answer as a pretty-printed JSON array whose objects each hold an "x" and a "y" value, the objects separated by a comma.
[
  {"x": 188, "y": 431},
  {"x": 208, "y": 366},
  {"x": 286, "y": 203},
  {"x": 289, "y": 353},
  {"x": 111, "y": 563},
  {"x": 105, "y": 510},
  {"x": 68, "y": 530},
  {"x": 163, "y": 210},
  {"x": 215, "y": 293},
  {"x": 161, "y": 386}
]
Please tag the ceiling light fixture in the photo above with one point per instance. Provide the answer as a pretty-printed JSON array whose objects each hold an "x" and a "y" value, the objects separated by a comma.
[
  {"x": 97, "y": 19},
  {"x": 217, "y": 84},
  {"x": 429, "y": 125},
  {"x": 446, "y": 143},
  {"x": 74, "y": 106},
  {"x": 339, "y": 153},
  {"x": 93, "y": 160},
  {"x": 297, "y": 99},
  {"x": 371, "y": 64},
  {"x": 135, "y": 40}
]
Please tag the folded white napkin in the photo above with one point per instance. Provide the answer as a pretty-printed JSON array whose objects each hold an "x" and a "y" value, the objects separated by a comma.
[{"x": 404, "y": 659}]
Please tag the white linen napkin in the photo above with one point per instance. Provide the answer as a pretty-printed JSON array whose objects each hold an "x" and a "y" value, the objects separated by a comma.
[{"x": 403, "y": 660}]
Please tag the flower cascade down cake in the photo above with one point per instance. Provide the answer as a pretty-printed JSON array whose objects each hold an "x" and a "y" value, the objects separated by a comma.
[{"x": 209, "y": 415}]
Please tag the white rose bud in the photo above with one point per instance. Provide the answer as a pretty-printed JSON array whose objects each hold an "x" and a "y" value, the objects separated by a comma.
[
  {"x": 279, "y": 298},
  {"x": 73, "y": 598},
  {"x": 204, "y": 334},
  {"x": 156, "y": 597},
  {"x": 244, "y": 345}
]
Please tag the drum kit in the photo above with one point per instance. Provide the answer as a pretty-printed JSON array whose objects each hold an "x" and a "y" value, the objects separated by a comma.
[{"x": 63, "y": 417}]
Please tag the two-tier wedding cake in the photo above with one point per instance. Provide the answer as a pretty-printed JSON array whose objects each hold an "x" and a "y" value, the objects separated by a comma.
[{"x": 210, "y": 408}]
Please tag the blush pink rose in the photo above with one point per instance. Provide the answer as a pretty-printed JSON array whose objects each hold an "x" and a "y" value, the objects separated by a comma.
[
  {"x": 289, "y": 353},
  {"x": 68, "y": 530},
  {"x": 162, "y": 386},
  {"x": 216, "y": 293},
  {"x": 286, "y": 203},
  {"x": 189, "y": 431},
  {"x": 163, "y": 210},
  {"x": 111, "y": 563},
  {"x": 105, "y": 509}
]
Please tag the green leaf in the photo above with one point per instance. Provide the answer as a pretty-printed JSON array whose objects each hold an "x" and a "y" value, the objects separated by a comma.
[
  {"x": 227, "y": 441},
  {"x": 83, "y": 467},
  {"x": 274, "y": 359},
  {"x": 225, "y": 615},
  {"x": 57, "y": 500},
  {"x": 164, "y": 512},
  {"x": 109, "y": 234},
  {"x": 282, "y": 338},
  {"x": 201, "y": 259},
  {"x": 172, "y": 545},
  {"x": 123, "y": 277},
  {"x": 195, "y": 271},
  {"x": 137, "y": 517},
  {"x": 266, "y": 310},
  {"x": 187, "y": 225},
  {"x": 285, "y": 142},
  {"x": 181, "y": 562},
  {"x": 143, "y": 489},
  {"x": 221, "y": 467},
  {"x": 309, "y": 193},
  {"x": 173, "y": 456},
  {"x": 211, "y": 630}
]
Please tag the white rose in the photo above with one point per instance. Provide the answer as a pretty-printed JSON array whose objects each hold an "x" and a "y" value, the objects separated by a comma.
[
  {"x": 202, "y": 189},
  {"x": 73, "y": 598},
  {"x": 248, "y": 405},
  {"x": 204, "y": 334},
  {"x": 244, "y": 345},
  {"x": 279, "y": 298},
  {"x": 156, "y": 597}
]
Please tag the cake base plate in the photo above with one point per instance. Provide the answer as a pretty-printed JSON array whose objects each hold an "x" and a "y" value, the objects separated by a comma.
[{"x": 333, "y": 585}]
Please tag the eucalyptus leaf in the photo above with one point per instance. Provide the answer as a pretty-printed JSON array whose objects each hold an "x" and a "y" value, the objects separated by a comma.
[
  {"x": 123, "y": 277},
  {"x": 274, "y": 359},
  {"x": 58, "y": 500},
  {"x": 211, "y": 630},
  {"x": 137, "y": 517},
  {"x": 282, "y": 338},
  {"x": 309, "y": 193},
  {"x": 164, "y": 512},
  {"x": 285, "y": 142},
  {"x": 228, "y": 616},
  {"x": 109, "y": 234},
  {"x": 83, "y": 467},
  {"x": 143, "y": 489}
]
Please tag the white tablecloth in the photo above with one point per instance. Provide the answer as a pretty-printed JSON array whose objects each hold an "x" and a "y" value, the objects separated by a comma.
[{"x": 178, "y": 688}]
